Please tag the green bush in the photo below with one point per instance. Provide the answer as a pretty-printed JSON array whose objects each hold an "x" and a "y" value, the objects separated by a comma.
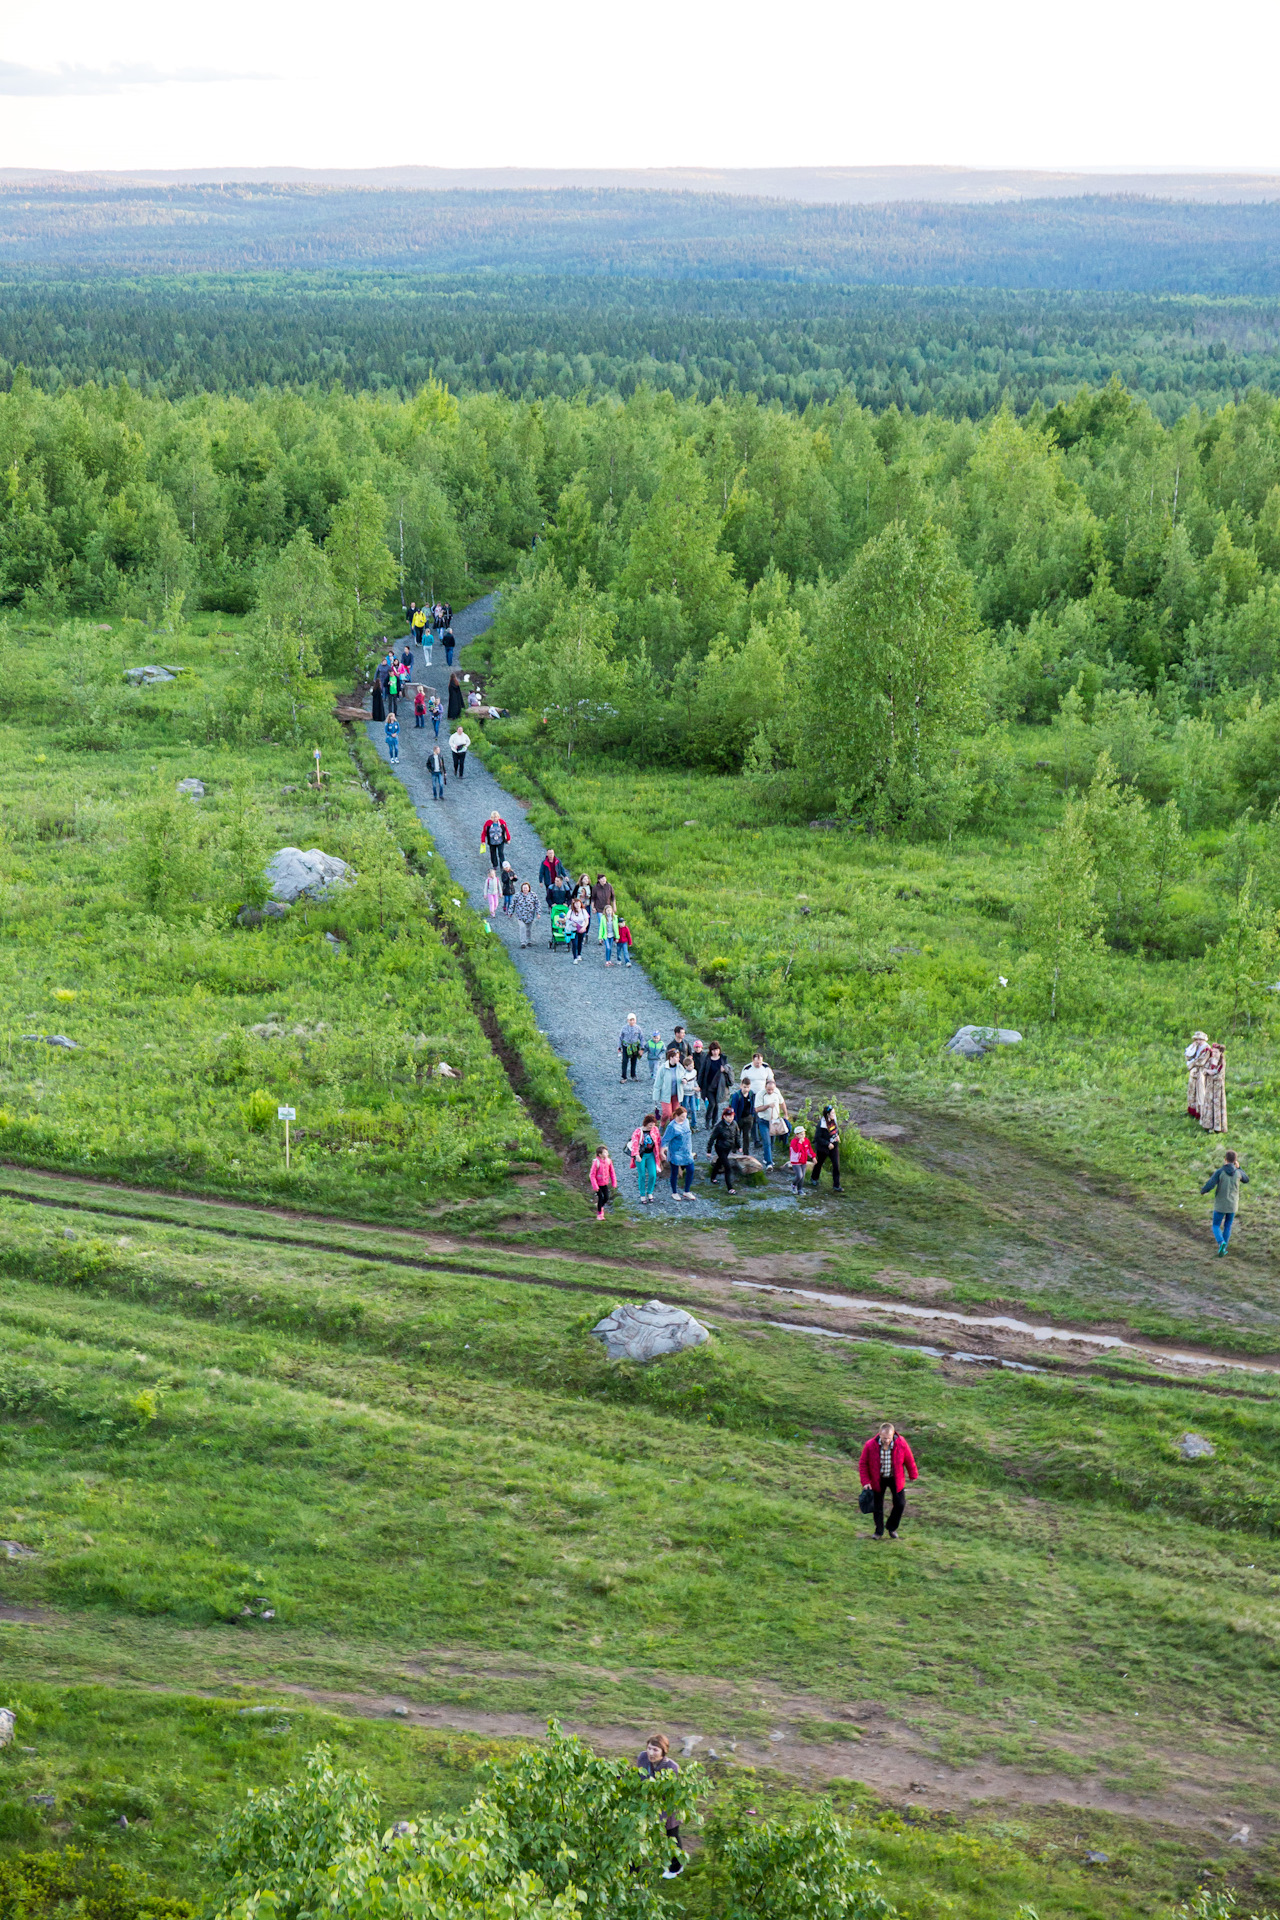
[
  {"x": 806, "y": 1870},
  {"x": 259, "y": 1110}
]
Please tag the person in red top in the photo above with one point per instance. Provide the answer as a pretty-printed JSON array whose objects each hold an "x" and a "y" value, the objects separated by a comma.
[
  {"x": 495, "y": 834},
  {"x": 886, "y": 1464}
]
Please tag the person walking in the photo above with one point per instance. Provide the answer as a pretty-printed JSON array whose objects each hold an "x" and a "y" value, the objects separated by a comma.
[
  {"x": 608, "y": 933},
  {"x": 646, "y": 1149},
  {"x": 495, "y": 834},
  {"x": 377, "y": 705},
  {"x": 602, "y": 895},
  {"x": 435, "y": 707},
  {"x": 411, "y": 617},
  {"x": 715, "y": 1077},
  {"x": 406, "y": 662},
  {"x": 799, "y": 1155},
  {"x": 630, "y": 1045},
  {"x": 826, "y": 1146},
  {"x": 689, "y": 1091},
  {"x": 604, "y": 1180},
  {"x": 677, "y": 1147},
  {"x": 436, "y": 768},
  {"x": 743, "y": 1102},
  {"x": 392, "y": 731},
  {"x": 420, "y": 707},
  {"x": 510, "y": 881},
  {"x": 449, "y": 644},
  {"x": 668, "y": 1083},
  {"x": 653, "y": 1761},
  {"x": 577, "y": 924},
  {"x": 455, "y": 701},
  {"x": 1225, "y": 1187},
  {"x": 526, "y": 907},
  {"x": 492, "y": 893},
  {"x": 723, "y": 1140},
  {"x": 655, "y": 1053},
  {"x": 551, "y": 869},
  {"x": 885, "y": 1466},
  {"x": 624, "y": 943},
  {"x": 459, "y": 741},
  {"x": 772, "y": 1119},
  {"x": 391, "y": 696},
  {"x": 559, "y": 893}
]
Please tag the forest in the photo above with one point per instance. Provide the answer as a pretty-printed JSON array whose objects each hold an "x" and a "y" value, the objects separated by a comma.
[
  {"x": 1117, "y": 242},
  {"x": 960, "y": 352}
]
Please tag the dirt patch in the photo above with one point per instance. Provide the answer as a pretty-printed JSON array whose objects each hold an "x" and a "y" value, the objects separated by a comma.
[
  {"x": 28, "y": 1616},
  {"x": 913, "y": 1286}
]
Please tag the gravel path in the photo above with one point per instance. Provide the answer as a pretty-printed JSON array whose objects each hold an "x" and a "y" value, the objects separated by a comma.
[{"x": 581, "y": 1009}]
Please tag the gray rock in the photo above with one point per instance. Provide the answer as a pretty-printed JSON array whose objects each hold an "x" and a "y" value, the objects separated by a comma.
[
  {"x": 1240, "y": 1838},
  {"x": 254, "y": 916},
  {"x": 973, "y": 1042},
  {"x": 53, "y": 1040},
  {"x": 14, "y": 1550},
  {"x": 6, "y": 1726},
  {"x": 295, "y": 875},
  {"x": 43, "y": 1799},
  {"x": 1194, "y": 1446},
  {"x": 147, "y": 676},
  {"x": 194, "y": 787},
  {"x": 1096, "y": 1859},
  {"x": 648, "y": 1332},
  {"x": 68, "y": 1233}
]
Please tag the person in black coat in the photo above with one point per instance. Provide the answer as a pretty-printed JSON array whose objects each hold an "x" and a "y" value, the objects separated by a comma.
[
  {"x": 826, "y": 1146},
  {"x": 454, "y": 710},
  {"x": 715, "y": 1078},
  {"x": 723, "y": 1140}
]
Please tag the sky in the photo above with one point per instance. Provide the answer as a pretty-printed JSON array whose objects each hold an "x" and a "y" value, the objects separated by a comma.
[{"x": 995, "y": 83}]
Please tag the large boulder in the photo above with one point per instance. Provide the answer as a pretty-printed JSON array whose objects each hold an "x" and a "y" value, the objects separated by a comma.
[
  {"x": 973, "y": 1042},
  {"x": 647, "y": 1332},
  {"x": 149, "y": 676},
  {"x": 293, "y": 874}
]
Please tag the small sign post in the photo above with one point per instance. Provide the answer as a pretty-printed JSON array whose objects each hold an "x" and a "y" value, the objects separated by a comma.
[
  {"x": 286, "y": 1114},
  {"x": 315, "y": 755}
]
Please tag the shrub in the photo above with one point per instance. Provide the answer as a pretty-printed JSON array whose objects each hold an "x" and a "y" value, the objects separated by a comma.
[
  {"x": 259, "y": 1111},
  {"x": 807, "y": 1870}
]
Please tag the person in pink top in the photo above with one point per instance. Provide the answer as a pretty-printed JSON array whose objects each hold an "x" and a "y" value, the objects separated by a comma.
[
  {"x": 885, "y": 1466},
  {"x": 646, "y": 1151},
  {"x": 604, "y": 1181},
  {"x": 801, "y": 1154}
]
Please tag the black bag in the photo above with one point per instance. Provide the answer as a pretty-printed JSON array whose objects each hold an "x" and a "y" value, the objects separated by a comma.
[{"x": 866, "y": 1501}]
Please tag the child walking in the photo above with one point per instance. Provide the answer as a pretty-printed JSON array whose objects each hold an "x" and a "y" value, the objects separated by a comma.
[
  {"x": 624, "y": 943},
  {"x": 604, "y": 1180},
  {"x": 420, "y": 707},
  {"x": 801, "y": 1154},
  {"x": 392, "y": 732},
  {"x": 510, "y": 881},
  {"x": 492, "y": 893}
]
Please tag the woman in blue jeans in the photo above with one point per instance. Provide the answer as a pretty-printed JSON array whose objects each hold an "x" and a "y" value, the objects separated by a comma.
[{"x": 677, "y": 1150}]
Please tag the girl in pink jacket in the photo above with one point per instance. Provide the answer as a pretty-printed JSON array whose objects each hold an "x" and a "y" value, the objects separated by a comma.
[{"x": 604, "y": 1180}]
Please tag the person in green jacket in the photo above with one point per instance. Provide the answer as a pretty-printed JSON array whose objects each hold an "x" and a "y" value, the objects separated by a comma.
[{"x": 1225, "y": 1188}]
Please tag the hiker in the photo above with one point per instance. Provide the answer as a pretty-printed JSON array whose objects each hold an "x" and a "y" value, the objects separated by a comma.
[
  {"x": 1225, "y": 1187},
  {"x": 608, "y": 933},
  {"x": 646, "y": 1146},
  {"x": 526, "y": 907},
  {"x": 411, "y": 616},
  {"x": 495, "y": 834},
  {"x": 668, "y": 1083},
  {"x": 757, "y": 1073},
  {"x": 550, "y": 870},
  {"x": 677, "y": 1146},
  {"x": 577, "y": 924},
  {"x": 798, "y": 1157},
  {"x": 377, "y": 708},
  {"x": 418, "y": 625},
  {"x": 774, "y": 1123},
  {"x": 392, "y": 732},
  {"x": 630, "y": 1045},
  {"x": 458, "y": 744},
  {"x": 743, "y": 1102},
  {"x": 715, "y": 1076},
  {"x": 653, "y": 1761},
  {"x": 826, "y": 1146},
  {"x": 604, "y": 1180},
  {"x": 655, "y": 1053},
  {"x": 689, "y": 1091},
  {"x": 420, "y": 707},
  {"x": 510, "y": 881},
  {"x": 492, "y": 893},
  {"x": 406, "y": 661},
  {"x": 449, "y": 644},
  {"x": 435, "y": 707},
  {"x": 624, "y": 943},
  {"x": 722, "y": 1140},
  {"x": 682, "y": 1040},
  {"x": 602, "y": 895},
  {"x": 436, "y": 768},
  {"x": 455, "y": 697},
  {"x": 885, "y": 1465},
  {"x": 391, "y": 695},
  {"x": 559, "y": 892}
]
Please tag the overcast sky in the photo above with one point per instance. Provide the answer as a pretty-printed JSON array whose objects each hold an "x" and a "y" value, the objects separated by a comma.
[{"x": 996, "y": 83}]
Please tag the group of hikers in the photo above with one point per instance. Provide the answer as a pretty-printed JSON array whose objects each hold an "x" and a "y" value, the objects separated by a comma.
[
  {"x": 693, "y": 1086},
  {"x": 426, "y": 624}
]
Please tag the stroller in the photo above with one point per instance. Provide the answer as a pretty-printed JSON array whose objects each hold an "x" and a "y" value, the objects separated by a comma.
[{"x": 559, "y": 936}]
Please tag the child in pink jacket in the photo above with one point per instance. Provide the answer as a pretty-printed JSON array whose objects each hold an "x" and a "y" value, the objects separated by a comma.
[
  {"x": 604, "y": 1180},
  {"x": 801, "y": 1154}
]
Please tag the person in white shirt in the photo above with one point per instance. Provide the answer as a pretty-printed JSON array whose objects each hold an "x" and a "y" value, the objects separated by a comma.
[
  {"x": 757, "y": 1074},
  {"x": 458, "y": 744}
]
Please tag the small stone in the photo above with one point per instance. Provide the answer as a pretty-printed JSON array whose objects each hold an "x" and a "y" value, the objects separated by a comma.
[
  {"x": 648, "y": 1332},
  {"x": 43, "y": 1799},
  {"x": 1194, "y": 1446},
  {"x": 690, "y": 1741},
  {"x": 1240, "y": 1838},
  {"x": 973, "y": 1042},
  {"x": 446, "y": 1071},
  {"x": 400, "y": 1828},
  {"x": 7, "y": 1721},
  {"x": 907, "y": 949},
  {"x": 14, "y": 1550},
  {"x": 400, "y": 1713},
  {"x": 123, "y": 1821},
  {"x": 1096, "y": 1859},
  {"x": 194, "y": 787},
  {"x": 331, "y": 940},
  {"x": 68, "y": 1234},
  {"x": 147, "y": 676}
]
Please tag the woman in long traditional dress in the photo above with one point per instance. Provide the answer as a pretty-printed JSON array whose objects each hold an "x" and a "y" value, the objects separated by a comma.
[
  {"x": 1213, "y": 1097},
  {"x": 1195, "y": 1056}
]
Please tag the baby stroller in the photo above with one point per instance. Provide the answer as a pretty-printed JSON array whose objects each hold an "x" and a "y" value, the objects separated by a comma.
[{"x": 559, "y": 935}]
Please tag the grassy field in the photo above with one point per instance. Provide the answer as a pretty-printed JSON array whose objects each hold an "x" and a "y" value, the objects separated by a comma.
[
  {"x": 849, "y": 954},
  {"x": 449, "y": 1501}
]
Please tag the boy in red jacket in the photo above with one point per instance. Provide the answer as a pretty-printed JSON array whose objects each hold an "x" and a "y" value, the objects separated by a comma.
[{"x": 885, "y": 1466}]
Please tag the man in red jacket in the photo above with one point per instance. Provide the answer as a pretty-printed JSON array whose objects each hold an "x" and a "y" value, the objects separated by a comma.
[
  {"x": 494, "y": 834},
  {"x": 886, "y": 1465}
]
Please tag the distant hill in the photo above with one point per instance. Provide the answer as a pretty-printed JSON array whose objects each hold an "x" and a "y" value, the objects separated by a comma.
[
  {"x": 868, "y": 186},
  {"x": 1120, "y": 243}
]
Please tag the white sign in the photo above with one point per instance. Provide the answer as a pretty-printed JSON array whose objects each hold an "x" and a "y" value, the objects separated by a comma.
[{"x": 285, "y": 1113}]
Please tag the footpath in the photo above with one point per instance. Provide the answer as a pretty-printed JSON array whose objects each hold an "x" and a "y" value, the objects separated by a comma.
[{"x": 581, "y": 1009}]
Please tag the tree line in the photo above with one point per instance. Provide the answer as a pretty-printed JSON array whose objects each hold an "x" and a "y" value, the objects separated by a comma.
[{"x": 961, "y": 352}]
